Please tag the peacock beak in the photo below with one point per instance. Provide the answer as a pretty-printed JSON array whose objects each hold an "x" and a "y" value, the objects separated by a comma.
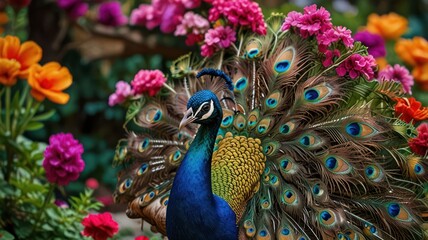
[{"x": 188, "y": 118}]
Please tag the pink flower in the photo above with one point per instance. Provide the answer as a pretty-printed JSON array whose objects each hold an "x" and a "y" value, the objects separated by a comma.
[
  {"x": 218, "y": 38},
  {"x": 63, "y": 159},
  {"x": 245, "y": 13},
  {"x": 399, "y": 74},
  {"x": 99, "y": 226},
  {"x": 123, "y": 92},
  {"x": 150, "y": 81},
  {"x": 171, "y": 16},
  {"x": 110, "y": 14},
  {"x": 312, "y": 22},
  {"x": 329, "y": 57},
  {"x": 419, "y": 144},
  {"x": 374, "y": 43},
  {"x": 92, "y": 183},
  {"x": 344, "y": 34},
  {"x": 146, "y": 15},
  {"x": 192, "y": 23},
  {"x": 357, "y": 65},
  {"x": 142, "y": 238}
]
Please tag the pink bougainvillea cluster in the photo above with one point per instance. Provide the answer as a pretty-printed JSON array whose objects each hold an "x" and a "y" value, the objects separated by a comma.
[
  {"x": 213, "y": 34},
  {"x": 316, "y": 23},
  {"x": 145, "y": 82}
]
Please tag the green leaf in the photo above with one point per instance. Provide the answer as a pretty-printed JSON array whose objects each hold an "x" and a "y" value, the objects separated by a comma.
[
  {"x": 133, "y": 110},
  {"x": 44, "y": 116},
  {"x": 22, "y": 228},
  {"x": 4, "y": 235},
  {"x": 32, "y": 126}
]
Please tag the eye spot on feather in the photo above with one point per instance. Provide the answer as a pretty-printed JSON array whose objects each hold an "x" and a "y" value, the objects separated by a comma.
[
  {"x": 419, "y": 169},
  {"x": 311, "y": 95},
  {"x": 125, "y": 185},
  {"x": 398, "y": 212},
  {"x": 327, "y": 218},
  {"x": 357, "y": 129},
  {"x": 143, "y": 169},
  {"x": 253, "y": 53},
  {"x": 227, "y": 121},
  {"x": 144, "y": 145},
  {"x": 337, "y": 165},
  {"x": 177, "y": 156},
  {"x": 317, "y": 93},
  {"x": 289, "y": 197},
  {"x": 374, "y": 173},
  {"x": 165, "y": 201},
  {"x": 154, "y": 115},
  {"x": 282, "y": 66}
]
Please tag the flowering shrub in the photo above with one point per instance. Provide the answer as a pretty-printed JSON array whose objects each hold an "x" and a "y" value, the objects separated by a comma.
[{"x": 32, "y": 174}]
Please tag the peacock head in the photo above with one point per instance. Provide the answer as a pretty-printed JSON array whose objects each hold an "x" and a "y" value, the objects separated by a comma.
[{"x": 202, "y": 108}]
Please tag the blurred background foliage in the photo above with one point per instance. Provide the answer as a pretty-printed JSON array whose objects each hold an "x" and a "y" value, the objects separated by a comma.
[{"x": 98, "y": 57}]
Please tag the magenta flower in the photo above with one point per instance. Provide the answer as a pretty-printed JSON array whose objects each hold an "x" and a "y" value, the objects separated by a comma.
[
  {"x": 312, "y": 22},
  {"x": 245, "y": 13},
  {"x": 192, "y": 23},
  {"x": 73, "y": 8},
  {"x": 356, "y": 66},
  {"x": 374, "y": 43},
  {"x": 398, "y": 74},
  {"x": 344, "y": 34},
  {"x": 329, "y": 57},
  {"x": 146, "y": 15},
  {"x": 123, "y": 92},
  {"x": 63, "y": 159},
  {"x": 110, "y": 14},
  {"x": 218, "y": 38},
  {"x": 150, "y": 81},
  {"x": 171, "y": 14},
  {"x": 190, "y": 4}
]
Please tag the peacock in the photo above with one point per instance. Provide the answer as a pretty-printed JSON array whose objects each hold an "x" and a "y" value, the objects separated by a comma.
[{"x": 263, "y": 141}]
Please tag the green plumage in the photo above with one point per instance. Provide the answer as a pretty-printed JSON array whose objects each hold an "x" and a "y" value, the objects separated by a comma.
[{"x": 335, "y": 159}]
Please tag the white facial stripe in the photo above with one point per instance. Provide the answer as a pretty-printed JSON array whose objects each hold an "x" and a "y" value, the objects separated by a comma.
[
  {"x": 208, "y": 114},
  {"x": 199, "y": 109}
]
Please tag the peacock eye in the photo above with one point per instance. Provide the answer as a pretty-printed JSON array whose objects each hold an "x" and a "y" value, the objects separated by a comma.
[{"x": 206, "y": 108}]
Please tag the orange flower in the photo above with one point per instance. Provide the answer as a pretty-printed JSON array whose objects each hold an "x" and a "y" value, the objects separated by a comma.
[
  {"x": 412, "y": 51},
  {"x": 49, "y": 81},
  {"x": 408, "y": 109},
  {"x": 415, "y": 52},
  {"x": 26, "y": 54},
  {"x": 389, "y": 26},
  {"x": 9, "y": 70}
]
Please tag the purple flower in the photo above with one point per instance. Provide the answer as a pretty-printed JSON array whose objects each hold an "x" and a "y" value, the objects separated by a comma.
[
  {"x": 150, "y": 81},
  {"x": 218, "y": 38},
  {"x": 63, "y": 159},
  {"x": 146, "y": 15},
  {"x": 357, "y": 65},
  {"x": 312, "y": 22},
  {"x": 399, "y": 74},
  {"x": 110, "y": 14},
  {"x": 190, "y": 4},
  {"x": 192, "y": 23},
  {"x": 374, "y": 43},
  {"x": 171, "y": 17},
  {"x": 74, "y": 8},
  {"x": 123, "y": 91}
]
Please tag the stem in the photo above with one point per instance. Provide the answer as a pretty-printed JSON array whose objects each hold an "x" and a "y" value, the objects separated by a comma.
[
  {"x": 9, "y": 157},
  {"x": 169, "y": 88},
  {"x": 220, "y": 62},
  {"x": 7, "y": 117},
  {"x": 41, "y": 211}
]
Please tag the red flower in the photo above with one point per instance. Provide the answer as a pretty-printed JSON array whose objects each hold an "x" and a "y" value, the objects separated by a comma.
[
  {"x": 419, "y": 144},
  {"x": 99, "y": 226},
  {"x": 408, "y": 109},
  {"x": 142, "y": 238}
]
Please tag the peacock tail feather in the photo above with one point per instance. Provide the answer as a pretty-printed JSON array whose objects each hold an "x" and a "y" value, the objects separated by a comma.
[{"x": 301, "y": 152}]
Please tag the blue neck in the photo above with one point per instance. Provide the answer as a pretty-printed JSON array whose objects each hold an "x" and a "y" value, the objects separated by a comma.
[{"x": 194, "y": 174}]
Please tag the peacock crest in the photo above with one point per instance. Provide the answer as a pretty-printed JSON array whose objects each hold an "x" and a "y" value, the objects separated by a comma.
[{"x": 306, "y": 148}]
